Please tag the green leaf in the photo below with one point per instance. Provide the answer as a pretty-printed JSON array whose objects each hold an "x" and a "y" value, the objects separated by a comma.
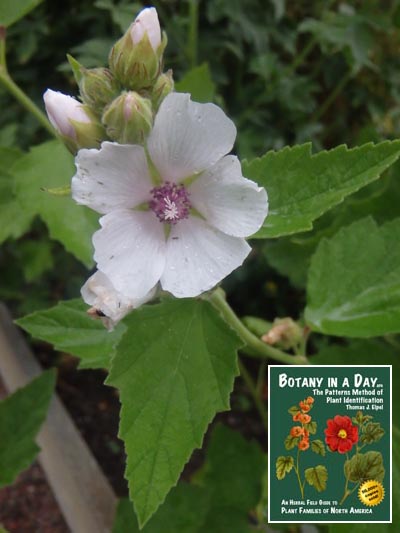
[
  {"x": 302, "y": 186},
  {"x": 69, "y": 328},
  {"x": 365, "y": 352},
  {"x": 291, "y": 442},
  {"x": 14, "y": 221},
  {"x": 21, "y": 416},
  {"x": 227, "y": 490},
  {"x": 311, "y": 427},
  {"x": 11, "y": 11},
  {"x": 49, "y": 166},
  {"x": 364, "y": 466},
  {"x": 294, "y": 410},
  {"x": 233, "y": 472},
  {"x": 354, "y": 281},
  {"x": 183, "y": 511},
  {"x": 198, "y": 83},
  {"x": 372, "y": 433},
  {"x": 36, "y": 258},
  {"x": 317, "y": 477},
  {"x": 318, "y": 447},
  {"x": 283, "y": 466},
  {"x": 174, "y": 368}
]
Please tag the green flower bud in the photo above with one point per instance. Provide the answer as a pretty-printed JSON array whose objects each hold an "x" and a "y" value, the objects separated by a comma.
[
  {"x": 136, "y": 59},
  {"x": 128, "y": 119},
  {"x": 98, "y": 87},
  {"x": 162, "y": 87}
]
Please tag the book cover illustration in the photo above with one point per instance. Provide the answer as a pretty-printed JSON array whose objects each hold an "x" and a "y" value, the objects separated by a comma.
[{"x": 329, "y": 444}]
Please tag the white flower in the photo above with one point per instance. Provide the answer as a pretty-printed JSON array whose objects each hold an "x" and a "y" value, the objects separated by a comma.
[
  {"x": 61, "y": 109},
  {"x": 147, "y": 22},
  {"x": 176, "y": 213},
  {"x": 108, "y": 304}
]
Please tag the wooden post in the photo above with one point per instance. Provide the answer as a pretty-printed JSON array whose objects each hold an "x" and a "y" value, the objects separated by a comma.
[{"x": 83, "y": 493}]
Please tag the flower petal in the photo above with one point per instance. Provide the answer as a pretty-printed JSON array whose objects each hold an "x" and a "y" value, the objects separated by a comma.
[
  {"x": 116, "y": 176},
  {"x": 199, "y": 257},
  {"x": 130, "y": 250},
  {"x": 99, "y": 292},
  {"x": 188, "y": 137},
  {"x": 228, "y": 201}
]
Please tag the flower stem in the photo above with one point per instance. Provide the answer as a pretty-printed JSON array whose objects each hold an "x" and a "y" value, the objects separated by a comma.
[
  {"x": 297, "y": 468},
  {"x": 253, "y": 391},
  {"x": 253, "y": 345},
  {"x": 12, "y": 87}
]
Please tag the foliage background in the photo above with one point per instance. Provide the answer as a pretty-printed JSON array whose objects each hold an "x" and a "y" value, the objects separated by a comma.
[{"x": 287, "y": 72}]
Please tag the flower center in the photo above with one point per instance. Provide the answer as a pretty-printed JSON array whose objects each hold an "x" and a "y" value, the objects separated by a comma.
[
  {"x": 170, "y": 202},
  {"x": 342, "y": 434}
]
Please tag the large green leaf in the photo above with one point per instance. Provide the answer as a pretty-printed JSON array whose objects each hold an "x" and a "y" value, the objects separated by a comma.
[
  {"x": 12, "y": 10},
  {"x": 21, "y": 416},
  {"x": 48, "y": 166},
  {"x": 230, "y": 487},
  {"x": 302, "y": 186},
  {"x": 198, "y": 83},
  {"x": 354, "y": 281},
  {"x": 69, "y": 328},
  {"x": 291, "y": 256},
  {"x": 174, "y": 368},
  {"x": 14, "y": 220}
]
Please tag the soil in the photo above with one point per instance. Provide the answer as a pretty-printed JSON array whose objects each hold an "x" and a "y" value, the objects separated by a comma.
[{"x": 29, "y": 506}]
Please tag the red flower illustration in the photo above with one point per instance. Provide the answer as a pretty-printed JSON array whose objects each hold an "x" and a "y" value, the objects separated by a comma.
[{"x": 340, "y": 435}]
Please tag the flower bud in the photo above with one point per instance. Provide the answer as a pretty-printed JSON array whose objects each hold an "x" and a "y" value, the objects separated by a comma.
[
  {"x": 136, "y": 59},
  {"x": 128, "y": 119},
  {"x": 162, "y": 87},
  {"x": 285, "y": 332},
  {"x": 75, "y": 123},
  {"x": 98, "y": 87}
]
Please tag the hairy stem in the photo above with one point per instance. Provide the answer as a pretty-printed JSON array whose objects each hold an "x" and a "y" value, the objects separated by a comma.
[{"x": 253, "y": 345}]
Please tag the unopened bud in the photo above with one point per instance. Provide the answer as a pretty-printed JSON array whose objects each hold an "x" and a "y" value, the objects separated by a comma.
[
  {"x": 162, "y": 87},
  {"x": 136, "y": 59},
  {"x": 285, "y": 332},
  {"x": 98, "y": 87},
  {"x": 128, "y": 119},
  {"x": 75, "y": 123}
]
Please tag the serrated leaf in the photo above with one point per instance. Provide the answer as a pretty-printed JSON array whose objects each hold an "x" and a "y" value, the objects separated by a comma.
[
  {"x": 364, "y": 466},
  {"x": 49, "y": 166},
  {"x": 317, "y": 477},
  {"x": 227, "y": 490},
  {"x": 291, "y": 442},
  {"x": 318, "y": 447},
  {"x": 198, "y": 83},
  {"x": 12, "y": 11},
  {"x": 301, "y": 186},
  {"x": 354, "y": 281},
  {"x": 174, "y": 368},
  {"x": 21, "y": 416},
  {"x": 69, "y": 328},
  {"x": 283, "y": 466},
  {"x": 373, "y": 432}
]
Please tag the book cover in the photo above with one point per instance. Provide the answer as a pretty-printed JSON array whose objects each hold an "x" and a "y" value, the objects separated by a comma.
[{"x": 329, "y": 444}]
